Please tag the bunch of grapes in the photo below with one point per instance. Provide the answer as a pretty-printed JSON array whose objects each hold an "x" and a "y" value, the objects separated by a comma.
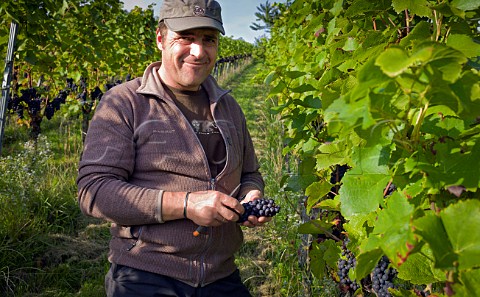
[
  {"x": 344, "y": 265},
  {"x": 382, "y": 278},
  {"x": 259, "y": 208}
]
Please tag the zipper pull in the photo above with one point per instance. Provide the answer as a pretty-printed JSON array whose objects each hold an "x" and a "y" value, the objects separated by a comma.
[{"x": 212, "y": 184}]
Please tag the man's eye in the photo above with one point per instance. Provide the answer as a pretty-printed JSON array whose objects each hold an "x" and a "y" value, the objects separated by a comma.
[
  {"x": 185, "y": 40},
  {"x": 210, "y": 41}
]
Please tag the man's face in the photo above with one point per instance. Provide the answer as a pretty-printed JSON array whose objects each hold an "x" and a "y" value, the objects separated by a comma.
[{"x": 188, "y": 57}]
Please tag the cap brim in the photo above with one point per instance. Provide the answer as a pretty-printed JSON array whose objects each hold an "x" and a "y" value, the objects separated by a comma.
[{"x": 187, "y": 23}]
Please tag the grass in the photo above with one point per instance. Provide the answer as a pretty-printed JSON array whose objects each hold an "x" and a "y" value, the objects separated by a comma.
[{"x": 48, "y": 248}]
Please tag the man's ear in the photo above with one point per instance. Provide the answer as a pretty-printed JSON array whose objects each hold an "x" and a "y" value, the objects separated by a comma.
[{"x": 159, "y": 39}]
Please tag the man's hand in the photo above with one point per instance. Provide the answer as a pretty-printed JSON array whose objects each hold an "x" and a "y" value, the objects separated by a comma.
[{"x": 213, "y": 208}]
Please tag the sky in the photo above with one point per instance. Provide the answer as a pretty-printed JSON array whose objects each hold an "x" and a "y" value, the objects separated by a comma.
[{"x": 237, "y": 15}]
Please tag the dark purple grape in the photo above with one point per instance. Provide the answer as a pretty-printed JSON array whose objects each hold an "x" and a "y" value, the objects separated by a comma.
[
  {"x": 382, "y": 277},
  {"x": 259, "y": 208}
]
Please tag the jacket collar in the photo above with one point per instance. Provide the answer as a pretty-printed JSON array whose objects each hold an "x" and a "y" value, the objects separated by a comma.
[{"x": 152, "y": 85}]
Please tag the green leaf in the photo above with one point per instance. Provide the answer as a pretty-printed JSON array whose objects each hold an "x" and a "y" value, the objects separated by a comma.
[
  {"x": 420, "y": 268},
  {"x": 312, "y": 102},
  {"x": 447, "y": 9},
  {"x": 418, "y": 7},
  {"x": 357, "y": 226},
  {"x": 330, "y": 204},
  {"x": 461, "y": 221},
  {"x": 347, "y": 65},
  {"x": 431, "y": 228},
  {"x": 456, "y": 168},
  {"x": 310, "y": 145},
  {"x": 468, "y": 89},
  {"x": 314, "y": 227},
  {"x": 303, "y": 88},
  {"x": 393, "y": 227},
  {"x": 299, "y": 183},
  {"x": 337, "y": 8},
  {"x": 361, "y": 193},
  {"x": 465, "y": 44},
  {"x": 351, "y": 44},
  {"x": 446, "y": 59},
  {"x": 294, "y": 74},
  {"x": 278, "y": 88},
  {"x": 393, "y": 61},
  {"x": 271, "y": 77},
  {"x": 315, "y": 192},
  {"x": 322, "y": 254},
  {"x": 366, "y": 262},
  {"x": 466, "y": 4},
  {"x": 64, "y": 7},
  {"x": 371, "y": 160},
  {"x": 331, "y": 154},
  {"x": 342, "y": 116},
  {"x": 471, "y": 284},
  {"x": 359, "y": 7},
  {"x": 446, "y": 126},
  {"x": 420, "y": 33}
]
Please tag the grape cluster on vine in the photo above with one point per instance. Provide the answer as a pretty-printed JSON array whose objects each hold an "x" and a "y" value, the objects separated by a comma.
[
  {"x": 382, "y": 278},
  {"x": 344, "y": 265},
  {"x": 259, "y": 208}
]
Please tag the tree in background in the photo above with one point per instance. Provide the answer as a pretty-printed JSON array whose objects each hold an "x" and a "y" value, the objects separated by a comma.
[{"x": 266, "y": 15}]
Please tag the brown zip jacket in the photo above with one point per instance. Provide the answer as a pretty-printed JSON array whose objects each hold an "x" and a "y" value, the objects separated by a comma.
[{"x": 139, "y": 143}]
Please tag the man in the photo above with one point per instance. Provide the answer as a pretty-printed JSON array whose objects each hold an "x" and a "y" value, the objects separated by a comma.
[{"x": 165, "y": 154}]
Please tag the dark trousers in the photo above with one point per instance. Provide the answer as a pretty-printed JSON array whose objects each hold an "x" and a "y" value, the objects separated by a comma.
[{"x": 123, "y": 281}]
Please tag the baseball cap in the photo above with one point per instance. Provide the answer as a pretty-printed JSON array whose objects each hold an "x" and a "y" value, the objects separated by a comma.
[{"x": 181, "y": 15}]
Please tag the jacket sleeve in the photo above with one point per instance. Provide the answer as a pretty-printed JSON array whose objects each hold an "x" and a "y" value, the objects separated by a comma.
[{"x": 107, "y": 161}]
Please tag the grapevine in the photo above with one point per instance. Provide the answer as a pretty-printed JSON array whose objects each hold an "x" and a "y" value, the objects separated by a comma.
[{"x": 388, "y": 89}]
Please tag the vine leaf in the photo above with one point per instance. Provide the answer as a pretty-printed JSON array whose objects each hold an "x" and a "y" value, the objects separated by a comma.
[
  {"x": 453, "y": 168},
  {"x": 461, "y": 223},
  {"x": 331, "y": 154},
  {"x": 420, "y": 32},
  {"x": 315, "y": 192},
  {"x": 366, "y": 262},
  {"x": 471, "y": 284},
  {"x": 465, "y": 44},
  {"x": 393, "y": 61},
  {"x": 322, "y": 254},
  {"x": 393, "y": 228},
  {"x": 418, "y": 7},
  {"x": 314, "y": 227},
  {"x": 431, "y": 228},
  {"x": 420, "y": 268},
  {"x": 361, "y": 194},
  {"x": 466, "y": 4}
]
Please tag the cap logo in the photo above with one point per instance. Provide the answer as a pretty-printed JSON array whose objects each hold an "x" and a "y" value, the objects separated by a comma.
[{"x": 198, "y": 11}]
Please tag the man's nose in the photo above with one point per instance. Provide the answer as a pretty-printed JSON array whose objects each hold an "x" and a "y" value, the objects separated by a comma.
[{"x": 196, "y": 49}]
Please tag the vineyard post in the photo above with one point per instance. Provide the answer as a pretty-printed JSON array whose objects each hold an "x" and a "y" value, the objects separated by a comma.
[{"x": 7, "y": 79}]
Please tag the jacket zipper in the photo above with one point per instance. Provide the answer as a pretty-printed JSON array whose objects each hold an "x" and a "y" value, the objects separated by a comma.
[{"x": 212, "y": 186}]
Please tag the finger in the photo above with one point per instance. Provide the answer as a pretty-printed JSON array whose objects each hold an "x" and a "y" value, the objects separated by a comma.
[
  {"x": 253, "y": 221},
  {"x": 263, "y": 220},
  {"x": 232, "y": 205},
  {"x": 252, "y": 195},
  {"x": 229, "y": 215}
]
